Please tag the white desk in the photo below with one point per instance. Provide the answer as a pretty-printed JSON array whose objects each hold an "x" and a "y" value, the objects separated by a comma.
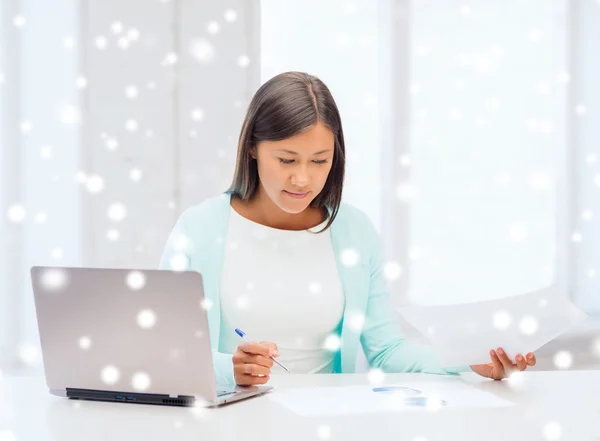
[{"x": 571, "y": 399}]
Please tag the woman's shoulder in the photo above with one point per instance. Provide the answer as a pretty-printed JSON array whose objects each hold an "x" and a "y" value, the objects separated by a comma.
[
  {"x": 353, "y": 220},
  {"x": 210, "y": 209},
  {"x": 353, "y": 215}
]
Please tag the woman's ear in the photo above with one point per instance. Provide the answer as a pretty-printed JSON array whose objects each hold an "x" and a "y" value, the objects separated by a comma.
[{"x": 253, "y": 152}]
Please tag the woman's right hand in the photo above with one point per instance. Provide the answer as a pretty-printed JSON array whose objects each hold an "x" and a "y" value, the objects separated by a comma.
[{"x": 251, "y": 362}]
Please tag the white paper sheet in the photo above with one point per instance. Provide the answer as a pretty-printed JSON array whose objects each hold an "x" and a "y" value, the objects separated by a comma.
[
  {"x": 464, "y": 334},
  {"x": 418, "y": 396}
]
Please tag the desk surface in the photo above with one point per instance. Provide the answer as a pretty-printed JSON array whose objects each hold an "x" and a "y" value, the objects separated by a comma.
[{"x": 571, "y": 399}]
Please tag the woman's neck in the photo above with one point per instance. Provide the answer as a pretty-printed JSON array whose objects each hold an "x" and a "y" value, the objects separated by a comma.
[{"x": 261, "y": 209}]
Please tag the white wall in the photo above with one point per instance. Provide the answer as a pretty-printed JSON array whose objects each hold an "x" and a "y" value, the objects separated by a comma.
[
  {"x": 77, "y": 160},
  {"x": 585, "y": 114},
  {"x": 486, "y": 140}
]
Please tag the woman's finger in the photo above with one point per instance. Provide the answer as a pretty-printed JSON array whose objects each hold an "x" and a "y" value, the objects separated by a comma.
[
  {"x": 531, "y": 360},
  {"x": 509, "y": 367},
  {"x": 521, "y": 362},
  {"x": 256, "y": 349},
  {"x": 255, "y": 369},
  {"x": 498, "y": 366},
  {"x": 251, "y": 380},
  {"x": 257, "y": 359}
]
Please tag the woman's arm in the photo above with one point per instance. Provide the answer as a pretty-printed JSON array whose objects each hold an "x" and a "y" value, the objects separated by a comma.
[
  {"x": 382, "y": 339},
  {"x": 177, "y": 256}
]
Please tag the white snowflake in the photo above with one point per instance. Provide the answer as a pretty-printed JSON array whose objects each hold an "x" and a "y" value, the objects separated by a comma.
[
  {"x": 213, "y": 27},
  {"x": 516, "y": 379},
  {"x": 94, "y": 183},
  {"x": 587, "y": 215},
  {"x": 135, "y": 280},
  {"x": 70, "y": 115},
  {"x": 376, "y": 377},
  {"x": 405, "y": 191},
  {"x": 26, "y": 127},
  {"x": 230, "y": 16},
  {"x": 41, "y": 217},
  {"x": 54, "y": 279},
  {"x": 29, "y": 354},
  {"x": 146, "y": 319},
  {"x": 112, "y": 143},
  {"x": 563, "y": 360},
  {"x": 392, "y": 270},
  {"x": 552, "y": 431},
  {"x": 113, "y": 235},
  {"x": 350, "y": 257},
  {"x": 528, "y": 325},
  {"x": 69, "y": 42},
  {"x": 110, "y": 375},
  {"x": 202, "y": 50},
  {"x": 46, "y": 152},
  {"x": 101, "y": 42},
  {"x": 314, "y": 288},
  {"x": 131, "y": 125},
  {"x": 206, "y": 304},
  {"x": 243, "y": 61},
  {"x": 170, "y": 59},
  {"x": 117, "y": 212},
  {"x": 16, "y": 213},
  {"x": 57, "y": 253},
  {"x": 117, "y": 27},
  {"x": 133, "y": 34},
  {"x": 356, "y": 320},
  {"x": 131, "y": 92},
  {"x": 243, "y": 301},
  {"x": 7, "y": 435},
  {"x": 19, "y": 21},
  {"x": 123, "y": 43},
  {"x": 332, "y": 343},
  {"x": 85, "y": 342},
  {"x": 197, "y": 114},
  {"x": 324, "y": 432},
  {"x": 502, "y": 320},
  {"x": 178, "y": 262},
  {"x": 140, "y": 381},
  {"x": 405, "y": 161},
  {"x": 135, "y": 174},
  {"x": 81, "y": 82}
]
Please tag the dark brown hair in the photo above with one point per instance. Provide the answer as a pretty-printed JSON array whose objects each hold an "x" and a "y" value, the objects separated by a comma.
[{"x": 284, "y": 106}]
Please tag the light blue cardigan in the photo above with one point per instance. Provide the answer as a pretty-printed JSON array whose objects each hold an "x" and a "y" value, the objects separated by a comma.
[{"x": 364, "y": 284}]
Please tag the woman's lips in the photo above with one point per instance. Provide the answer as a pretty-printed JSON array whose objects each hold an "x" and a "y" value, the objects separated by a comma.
[{"x": 295, "y": 195}]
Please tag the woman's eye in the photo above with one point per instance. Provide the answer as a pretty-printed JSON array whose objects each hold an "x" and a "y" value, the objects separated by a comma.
[{"x": 289, "y": 161}]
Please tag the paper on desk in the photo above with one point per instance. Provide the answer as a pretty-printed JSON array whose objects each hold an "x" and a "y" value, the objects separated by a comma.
[
  {"x": 322, "y": 401},
  {"x": 464, "y": 334}
]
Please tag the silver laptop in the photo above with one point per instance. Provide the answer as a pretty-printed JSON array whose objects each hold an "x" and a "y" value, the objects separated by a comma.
[{"x": 131, "y": 336}]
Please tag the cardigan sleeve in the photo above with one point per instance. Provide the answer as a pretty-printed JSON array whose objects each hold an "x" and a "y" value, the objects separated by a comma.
[
  {"x": 177, "y": 257},
  {"x": 382, "y": 339}
]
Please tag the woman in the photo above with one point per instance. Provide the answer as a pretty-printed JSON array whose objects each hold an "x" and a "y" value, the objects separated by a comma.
[{"x": 283, "y": 259}]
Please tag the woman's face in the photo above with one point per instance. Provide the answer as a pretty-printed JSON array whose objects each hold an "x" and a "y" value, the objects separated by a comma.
[{"x": 293, "y": 171}]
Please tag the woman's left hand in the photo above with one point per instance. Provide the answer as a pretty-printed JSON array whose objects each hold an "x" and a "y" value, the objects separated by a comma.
[{"x": 502, "y": 366}]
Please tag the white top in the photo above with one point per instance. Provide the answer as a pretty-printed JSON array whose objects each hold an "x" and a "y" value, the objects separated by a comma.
[{"x": 281, "y": 286}]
